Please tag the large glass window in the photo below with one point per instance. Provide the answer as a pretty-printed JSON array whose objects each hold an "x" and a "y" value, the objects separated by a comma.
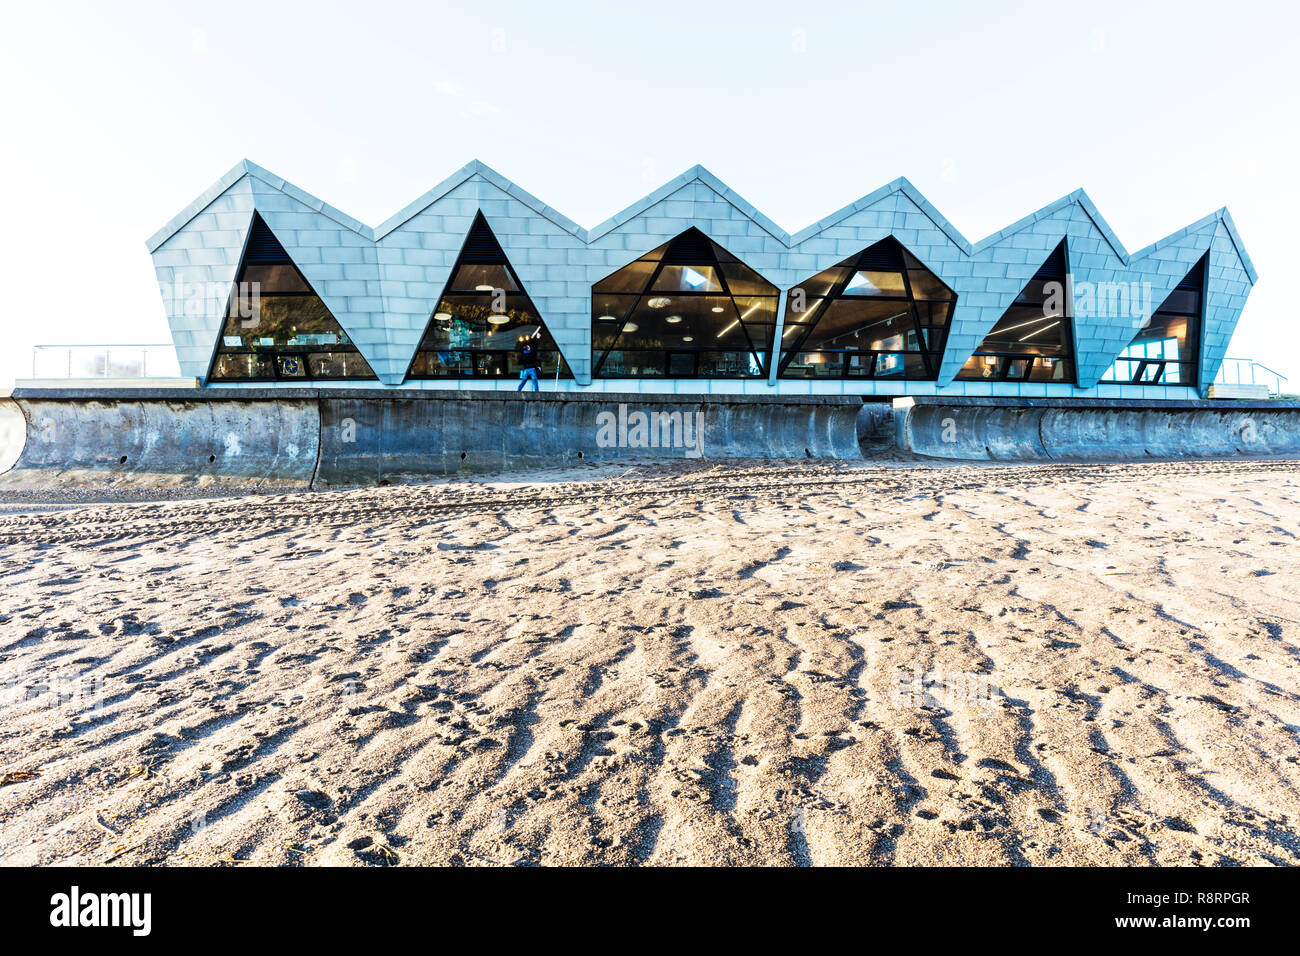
[
  {"x": 878, "y": 314},
  {"x": 276, "y": 326},
  {"x": 1164, "y": 352},
  {"x": 688, "y": 309},
  {"x": 1031, "y": 342},
  {"x": 483, "y": 318}
]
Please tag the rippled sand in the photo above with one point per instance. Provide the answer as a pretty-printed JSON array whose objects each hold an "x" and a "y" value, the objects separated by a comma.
[{"x": 750, "y": 663}]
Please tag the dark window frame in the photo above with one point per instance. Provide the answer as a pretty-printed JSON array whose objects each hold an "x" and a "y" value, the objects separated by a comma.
[
  {"x": 931, "y": 352},
  {"x": 764, "y": 358},
  {"x": 1004, "y": 357},
  {"x": 1195, "y": 344},
  {"x": 276, "y": 353},
  {"x": 546, "y": 346}
]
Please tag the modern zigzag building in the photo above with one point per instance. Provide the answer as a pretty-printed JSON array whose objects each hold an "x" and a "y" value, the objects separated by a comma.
[{"x": 691, "y": 290}]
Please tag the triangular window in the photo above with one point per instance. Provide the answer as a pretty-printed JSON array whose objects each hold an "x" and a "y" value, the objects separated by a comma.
[
  {"x": 688, "y": 309},
  {"x": 1164, "y": 351},
  {"x": 276, "y": 327},
  {"x": 877, "y": 314},
  {"x": 483, "y": 318},
  {"x": 1031, "y": 342}
]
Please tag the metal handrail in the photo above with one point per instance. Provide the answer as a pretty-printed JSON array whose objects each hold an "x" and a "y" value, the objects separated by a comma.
[
  {"x": 1259, "y": 365},
  {"x": 1274, "y": 381}
]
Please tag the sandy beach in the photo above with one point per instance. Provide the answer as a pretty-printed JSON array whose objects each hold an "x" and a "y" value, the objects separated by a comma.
[{"x": 746, "y": 663}]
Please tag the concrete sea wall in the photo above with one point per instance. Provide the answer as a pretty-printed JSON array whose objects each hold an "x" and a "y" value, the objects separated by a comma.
[
  {"x": 289, "y": 439},
  {"x": 1099, "y": 432},
  {"x": 299, "y": 438}
]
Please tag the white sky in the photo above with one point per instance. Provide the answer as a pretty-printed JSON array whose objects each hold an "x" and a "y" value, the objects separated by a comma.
[{"x": 115, "y": 116}]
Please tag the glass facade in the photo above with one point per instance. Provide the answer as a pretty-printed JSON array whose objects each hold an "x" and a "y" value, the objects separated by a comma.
[
  {"x": 483, "y": 317},
  {"x": 877, "y": 315},
  {"x": 1032, "y": 341},
  {"x": 276, "y": 327},
  {"x": 1165, "y": 350},
  {"x": 688, "y": 309}
]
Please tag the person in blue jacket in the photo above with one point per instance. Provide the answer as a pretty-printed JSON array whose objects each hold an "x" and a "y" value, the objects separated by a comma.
[{"x": 529, "y": 363}]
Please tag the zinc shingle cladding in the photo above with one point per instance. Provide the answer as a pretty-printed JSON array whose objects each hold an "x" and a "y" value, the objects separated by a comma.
[
  {"x": 196, "y": 267},
  {"x": 383, "y": 284}
]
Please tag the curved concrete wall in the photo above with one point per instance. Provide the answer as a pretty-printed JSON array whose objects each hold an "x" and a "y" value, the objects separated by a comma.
[
  {"x": 165, "y": 443},
  {"x": 366, "y": 441},
  {"x": 299, "y": 440},
  {"x": 13, "y": 434},
  {"x": 1097, "y": 433}
]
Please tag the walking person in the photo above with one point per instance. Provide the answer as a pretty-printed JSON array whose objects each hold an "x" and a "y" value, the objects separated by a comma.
[{"x": 529, "y": 363}]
